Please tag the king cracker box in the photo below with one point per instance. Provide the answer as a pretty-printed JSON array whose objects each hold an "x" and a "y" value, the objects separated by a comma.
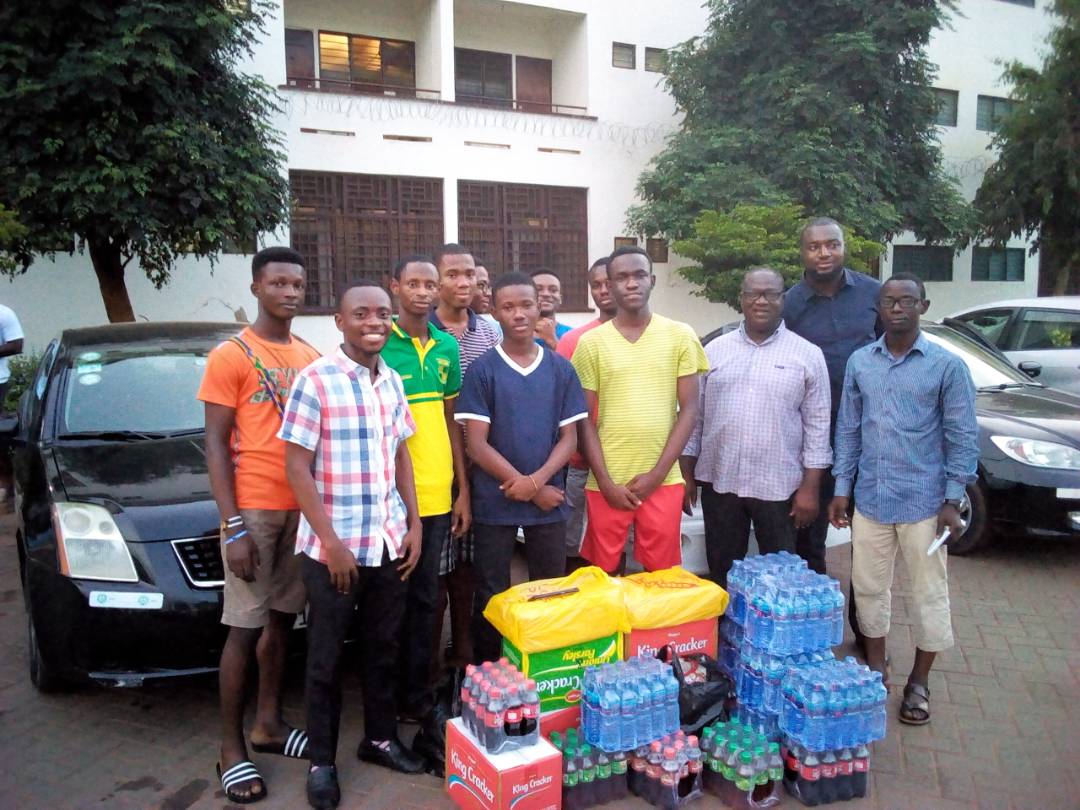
[
  {"x": 559, "y": 672},
  {"x": 671, "y": 607},
  {"x": 522, "y": 779}
]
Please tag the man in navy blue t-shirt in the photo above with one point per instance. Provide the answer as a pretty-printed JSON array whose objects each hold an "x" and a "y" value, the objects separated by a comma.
[{"x": 519, "y": 403}]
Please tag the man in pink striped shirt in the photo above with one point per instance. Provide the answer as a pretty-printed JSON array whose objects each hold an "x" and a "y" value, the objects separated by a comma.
[{"x": 578, "y": 472}]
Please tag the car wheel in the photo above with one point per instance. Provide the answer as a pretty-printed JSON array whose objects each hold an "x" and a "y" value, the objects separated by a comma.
[
  {"x": 42, "y": 675},
  {"x": 973, "y": 511}
]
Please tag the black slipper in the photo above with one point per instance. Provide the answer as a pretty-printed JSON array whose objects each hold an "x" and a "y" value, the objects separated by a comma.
[
  {"x": 294, "y": 745},
  {"x": 241, "y": 772}
]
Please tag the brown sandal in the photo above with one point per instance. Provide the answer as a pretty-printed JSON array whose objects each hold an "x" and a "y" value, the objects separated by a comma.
[{"x": 915, "y": 707}]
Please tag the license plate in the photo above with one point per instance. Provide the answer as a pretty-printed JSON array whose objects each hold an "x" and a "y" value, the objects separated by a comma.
[{"x": 128, "y": 600}]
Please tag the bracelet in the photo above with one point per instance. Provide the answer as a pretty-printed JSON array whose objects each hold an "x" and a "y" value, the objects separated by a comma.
[
  {"x": 537, "y": 486},
  {"x": 236, "y": 536},
  {"x": 235, "y": 520}
]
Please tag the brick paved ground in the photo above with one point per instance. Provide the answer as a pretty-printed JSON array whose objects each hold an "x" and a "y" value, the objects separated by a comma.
[{"x": 1005, "y": 733}]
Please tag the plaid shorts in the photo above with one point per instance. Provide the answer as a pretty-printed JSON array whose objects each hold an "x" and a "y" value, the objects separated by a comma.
[{"x": 455, "y": 550}]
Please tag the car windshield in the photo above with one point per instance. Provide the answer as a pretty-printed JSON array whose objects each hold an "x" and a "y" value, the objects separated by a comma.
[
  {"x": 134, "y": 390},
  {"x": 987, "y": 369}
]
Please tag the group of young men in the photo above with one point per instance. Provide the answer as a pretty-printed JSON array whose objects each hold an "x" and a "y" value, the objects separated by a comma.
[{"x": 395, "y": 474}]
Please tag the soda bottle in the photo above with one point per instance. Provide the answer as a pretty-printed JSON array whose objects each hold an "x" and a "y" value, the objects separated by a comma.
[
  {"x": 571, "y": 778},
  {"x": 653, "y": 768},
  {"x": 861, "y": 768},
  {"x": 587, "y": 780},
  {"x": 827, "y": 785},
  {"x": 480, "y": 713},
  {"x": 809, "y": 779},
  {"x": 494, "y": 735},
  {"x": 744, "y": 778},
  {"x": 669, "y": 781},
  {"x": 466, "y": 685},
  {"x": 530, "y": 713},
  {"x": 512, "y": 717},
  {"x": 695, "y": 766},
  {"x": 776, "y": 764},
  {"x": 619, "y": 786},
  {"x": 476, "y": 689},
  {"x": 602, "y": 789},
  {"x": 761, "y": 788},
  {"x": 637, "y": 770},
  {"x": 845, "y": 769}
]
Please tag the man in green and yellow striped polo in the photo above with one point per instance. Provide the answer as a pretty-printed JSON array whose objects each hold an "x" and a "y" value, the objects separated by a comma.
[{"x": 429, "y": 362}]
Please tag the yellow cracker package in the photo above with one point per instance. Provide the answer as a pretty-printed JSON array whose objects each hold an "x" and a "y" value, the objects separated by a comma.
[
  {"x": 551, "y": 613},
  {"x": 669, "y": 597}
]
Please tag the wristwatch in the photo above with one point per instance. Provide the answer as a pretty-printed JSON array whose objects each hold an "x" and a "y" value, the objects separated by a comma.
[{"x": 952, "y": 502}]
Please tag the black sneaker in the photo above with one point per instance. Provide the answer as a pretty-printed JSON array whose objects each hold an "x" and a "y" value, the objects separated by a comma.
[{"x": 396, "y": 757}]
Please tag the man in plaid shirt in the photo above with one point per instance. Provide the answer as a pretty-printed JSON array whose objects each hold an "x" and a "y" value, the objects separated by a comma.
[
  {"x": 347, "y": 462},
  {"x": 761, "y": 442}
]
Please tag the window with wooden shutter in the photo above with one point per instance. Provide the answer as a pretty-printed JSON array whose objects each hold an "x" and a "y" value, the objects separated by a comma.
[
  {"x": 355, "y": 226},
  {"x": 299, "y": 58},
  {"x": 363, "y": 64},
  {"x": 522, "y": 227}
]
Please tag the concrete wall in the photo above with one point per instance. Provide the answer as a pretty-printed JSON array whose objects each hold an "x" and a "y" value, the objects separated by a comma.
[{"x": 630, "y": 116}]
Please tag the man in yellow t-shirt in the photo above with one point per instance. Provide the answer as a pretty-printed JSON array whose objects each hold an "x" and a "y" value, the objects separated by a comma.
[
  {"x": 429, "y": 362},
  {"x": 640, "y": 375}
]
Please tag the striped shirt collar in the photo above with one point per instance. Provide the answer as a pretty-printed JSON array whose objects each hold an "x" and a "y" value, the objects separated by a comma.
[{"x": 470, "y": 327}]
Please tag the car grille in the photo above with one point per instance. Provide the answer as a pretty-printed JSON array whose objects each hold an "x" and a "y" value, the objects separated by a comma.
[{"x": 200, "y": 558}]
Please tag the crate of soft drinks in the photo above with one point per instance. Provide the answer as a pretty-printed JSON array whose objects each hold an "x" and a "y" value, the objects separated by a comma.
[{"x": 546, "y": 635}]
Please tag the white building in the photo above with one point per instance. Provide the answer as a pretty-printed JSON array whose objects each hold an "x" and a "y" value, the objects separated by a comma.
[{"x": 518, "y": 129}]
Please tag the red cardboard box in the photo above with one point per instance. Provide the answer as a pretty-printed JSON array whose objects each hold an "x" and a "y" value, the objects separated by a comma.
[
  {"x": 521, "y": 779},
  {"x": 688, "y": 638},
  {"x": 560, "y": 720}
]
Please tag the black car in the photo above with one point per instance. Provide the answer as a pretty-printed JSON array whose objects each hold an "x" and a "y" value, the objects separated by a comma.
[
  {"x": 117, "y": 533},
  {"x": 1029, "y": 447}
]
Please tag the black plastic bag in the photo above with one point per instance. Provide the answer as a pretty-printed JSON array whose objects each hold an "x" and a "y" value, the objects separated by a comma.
[
  {"x": 430, "y": 740},
  {"x": 700, "y": 704}
]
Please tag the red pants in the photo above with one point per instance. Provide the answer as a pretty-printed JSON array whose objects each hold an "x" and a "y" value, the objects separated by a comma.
[{"x": 657, "y": 536}]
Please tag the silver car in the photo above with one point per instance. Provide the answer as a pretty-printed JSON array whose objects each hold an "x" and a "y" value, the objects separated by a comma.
[{"x": 1041, "y": 336}]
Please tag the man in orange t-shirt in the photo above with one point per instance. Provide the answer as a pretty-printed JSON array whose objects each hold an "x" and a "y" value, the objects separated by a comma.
[{"x": 244, "y": 390}]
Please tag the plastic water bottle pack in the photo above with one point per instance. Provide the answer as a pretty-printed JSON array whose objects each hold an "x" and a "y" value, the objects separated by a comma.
[
  {"x": 794, "y": 611},
  {"x": 744, "y": 575},
  {"x": 629, "y": 704},
  {"x": 500, "y": 706},
  {"x": 759, "y": 674},
  {"x": 833, "y": 705}
]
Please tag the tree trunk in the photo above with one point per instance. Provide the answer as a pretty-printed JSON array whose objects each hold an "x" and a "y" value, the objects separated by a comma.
[{"x": 109, "y": 268}]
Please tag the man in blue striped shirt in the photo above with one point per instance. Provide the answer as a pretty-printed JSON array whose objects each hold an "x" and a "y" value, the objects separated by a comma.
[{"x": 907, "y": 425}]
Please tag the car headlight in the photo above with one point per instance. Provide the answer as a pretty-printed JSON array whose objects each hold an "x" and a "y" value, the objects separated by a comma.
[
  {"x": 1038, "y": 453},
  {"x": 90, "y": 543}
]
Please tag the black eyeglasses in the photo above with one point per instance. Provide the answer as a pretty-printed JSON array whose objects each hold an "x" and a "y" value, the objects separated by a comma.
[
  {"x": 769, "y": 295},
  {"x": 905, "y": 302}
]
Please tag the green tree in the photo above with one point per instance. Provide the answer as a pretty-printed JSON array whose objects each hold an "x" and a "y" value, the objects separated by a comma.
[
  {"x": 1033, "y": 189},
  {"x": 727, "y": 244},
  {"x": 823, "y": 103},
  {"x": 127, "y": 129},
  {"x": 11, "y": 230}
]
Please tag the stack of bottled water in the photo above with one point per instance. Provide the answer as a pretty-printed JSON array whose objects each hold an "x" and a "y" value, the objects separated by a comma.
[
  {"x": 786, "y": 617},
  {"x": 833, "y": 705},
  {"x": 500, "y": 706},
  {"x": 629, "y": 703},
  {"x": 758, "y": 679},
  {"x": 731, "y": 640}
]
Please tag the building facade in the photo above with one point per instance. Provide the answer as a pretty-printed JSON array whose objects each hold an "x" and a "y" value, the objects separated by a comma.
[{"x": 519, "y": 130}]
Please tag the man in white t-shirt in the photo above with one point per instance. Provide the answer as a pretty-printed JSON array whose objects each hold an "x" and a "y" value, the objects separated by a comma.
[{"x": 11, "y": 342}]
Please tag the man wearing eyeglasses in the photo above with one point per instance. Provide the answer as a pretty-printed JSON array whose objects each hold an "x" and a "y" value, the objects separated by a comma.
[
  {"x": 835, "y": 308},
  {"x": 907, "y": 425},
  {"x": 761, "y": 441}
]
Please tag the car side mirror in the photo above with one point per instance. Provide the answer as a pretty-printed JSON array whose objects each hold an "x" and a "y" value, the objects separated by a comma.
[{"x": 1030, "y": 367}]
